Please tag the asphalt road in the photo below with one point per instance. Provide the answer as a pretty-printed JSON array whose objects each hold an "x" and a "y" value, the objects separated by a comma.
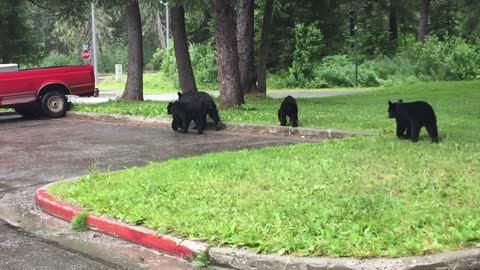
[{"x": 36, "y": 152}]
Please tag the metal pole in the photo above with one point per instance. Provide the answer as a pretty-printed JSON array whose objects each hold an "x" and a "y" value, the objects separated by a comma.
[
  {"x": 168, "y": 23},
  {"x": 94, "y": 44},
  {"x": 355, "y": 55}
]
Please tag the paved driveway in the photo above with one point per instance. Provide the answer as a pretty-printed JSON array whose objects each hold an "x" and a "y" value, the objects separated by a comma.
[{"x": 36, "y": 152}]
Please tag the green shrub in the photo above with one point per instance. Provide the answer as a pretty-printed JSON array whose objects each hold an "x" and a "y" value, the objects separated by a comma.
[
  {"x": 169, "y": 67},
  {"x": 367, "y": 78},
  {"x": 462, "y": 61},
  {"x": 203, "y": 58},
  {"x": 337, "y": 70},
  {"x": 156, "y": 61},
  {"x": 388, "y": 68},
  {"x": 278, "y": 79},
  {"x": 431, "y": 59},
  {"x": 204, "y": 64},
  {"x": 308, "y": 46},
  {"x": 57, "y": 59},
  {"x": 453, "y": 59},
  {"x": 109, "y": 56}
]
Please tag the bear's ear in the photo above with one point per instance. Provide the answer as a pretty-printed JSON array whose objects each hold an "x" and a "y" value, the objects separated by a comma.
[
  {"x": 179, "y": 94},
  {"x": 389, "y": 102},
  {"x": 400, "y": 101}
]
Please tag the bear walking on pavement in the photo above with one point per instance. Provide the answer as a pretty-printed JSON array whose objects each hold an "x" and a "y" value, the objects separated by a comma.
[
  {"x": 411, "y": 117},
  {"x": 183, "y": 113},
  {"x": 207, "y": 100},
  {"x": 288, "y": 108}
]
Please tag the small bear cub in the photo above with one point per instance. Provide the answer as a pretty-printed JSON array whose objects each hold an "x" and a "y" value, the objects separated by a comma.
[
  {"x": 288, "y": 108},
  {"x": 411, "y": 117}
]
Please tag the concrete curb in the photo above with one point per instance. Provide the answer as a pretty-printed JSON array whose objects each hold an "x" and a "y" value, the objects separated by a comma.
[
  {"x": 184, "y": 249},
  {"x": 246, "y": 260},
  {"x": 253, "y": 128}
]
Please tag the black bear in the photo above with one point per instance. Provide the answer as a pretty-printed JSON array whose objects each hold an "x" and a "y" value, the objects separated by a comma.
[
  {"x": 288, "y": 108},
  {"x": 207, "y": 100},
  {"x": 183, "y": 113},
  {"x": 411, "y": 117}
]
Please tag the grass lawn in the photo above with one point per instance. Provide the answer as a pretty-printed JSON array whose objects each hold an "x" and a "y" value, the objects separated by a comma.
[
  {"x": 362, "y": 197},
  {"x": 157, "y": 82},
  {"x": 152, "y": 83}
]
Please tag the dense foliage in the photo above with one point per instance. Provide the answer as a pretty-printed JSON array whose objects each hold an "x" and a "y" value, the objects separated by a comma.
[{"x": 311, "y": 44}]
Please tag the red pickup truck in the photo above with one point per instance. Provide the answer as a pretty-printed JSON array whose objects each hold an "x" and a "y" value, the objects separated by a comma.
[{"x": 42, "y": 91}]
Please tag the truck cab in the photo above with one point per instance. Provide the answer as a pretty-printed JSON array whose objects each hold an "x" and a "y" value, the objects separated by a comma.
[{"x": 43, "y": 91}]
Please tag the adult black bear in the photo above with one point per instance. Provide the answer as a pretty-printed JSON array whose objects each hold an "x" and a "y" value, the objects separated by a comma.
[
  {"x": 288, "y": 108},
  {"x": 411, "y": 117},
  {"x": 183, "y": 113},
  {"x": 207, "y": 100}
]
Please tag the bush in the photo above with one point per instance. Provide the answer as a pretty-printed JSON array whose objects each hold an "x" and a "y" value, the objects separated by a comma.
[
  {"x": 387, "y": 68},
  {"x": 155, "y": 63},
  {"x": 308, "y": 46},
  {"x": 463, "y": 61},
  {"x": 278, "y": 79},
  {"x": 453, "y": 59},
  {"x": 431, "y": 59},
  {"x": 57, "y": 59},
  {"x": 111, "y": 55},
  {"x": 337, "y": 70},
  {"x": 169, "y": 67},
  {"x": 204, "y": 65}
]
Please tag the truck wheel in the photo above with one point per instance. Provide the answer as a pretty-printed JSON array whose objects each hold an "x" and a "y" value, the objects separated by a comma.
[
  {"x": 28, "y": 110},
  {"x": 54, "y": 104}
]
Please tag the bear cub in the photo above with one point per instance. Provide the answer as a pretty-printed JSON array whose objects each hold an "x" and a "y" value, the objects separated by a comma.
[
  {"x": 411, "y": 117},
  {"x": 288, "y": 108},
  {"x": 205, "y": 99},
  {"x": 183, "y": 113}
]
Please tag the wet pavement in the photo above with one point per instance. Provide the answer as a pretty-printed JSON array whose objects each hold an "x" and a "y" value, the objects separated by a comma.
[{"x": 36, "y": 152}]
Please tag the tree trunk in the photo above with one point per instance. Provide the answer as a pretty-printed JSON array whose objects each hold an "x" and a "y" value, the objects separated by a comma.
[
  {"x": 424, "y": 13},
  {"x": 182, "y": 56},
  {"x": 393, "y": 26},
  {"x": 134, "y": 86},
  {"x": 245, "y": 33},
  {"x": 393, "y": 23},
  {"x": 160, "y": 31},
  {"x": 263, "y": 50},
  {"x": 227, "y": 55}
]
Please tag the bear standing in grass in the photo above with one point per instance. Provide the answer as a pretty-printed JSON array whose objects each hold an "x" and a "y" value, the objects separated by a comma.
[
  {"x": 206, "y": 100},
  {"x": 411, "y": 117},
  {"x": 288, "y": 108},
  {"x": 183, "y": 113}
]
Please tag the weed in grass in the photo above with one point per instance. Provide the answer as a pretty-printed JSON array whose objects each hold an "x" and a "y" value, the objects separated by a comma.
[
  {"x": 79, "y": 222},
  {"x": 201, "y": 260}
]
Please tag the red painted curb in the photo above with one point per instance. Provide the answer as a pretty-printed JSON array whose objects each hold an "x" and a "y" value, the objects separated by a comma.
[{"x": 135, "y": 234}]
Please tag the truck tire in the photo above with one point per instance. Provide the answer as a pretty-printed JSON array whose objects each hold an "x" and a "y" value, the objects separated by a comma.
[
  {"x": 28, "y": 110},
  {"x": 54, "y": 104}
]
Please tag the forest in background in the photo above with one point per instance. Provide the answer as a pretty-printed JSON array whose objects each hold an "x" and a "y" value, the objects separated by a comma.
[{"x": 311, "y": 41}]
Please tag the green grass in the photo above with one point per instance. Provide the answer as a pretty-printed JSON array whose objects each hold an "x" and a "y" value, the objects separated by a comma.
[
  {"x": 157, "y": 82},
  {"x": 152, "y": 83},
  {"x": 79, "y": 222},
  {"x": 362, "y": 197}
]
